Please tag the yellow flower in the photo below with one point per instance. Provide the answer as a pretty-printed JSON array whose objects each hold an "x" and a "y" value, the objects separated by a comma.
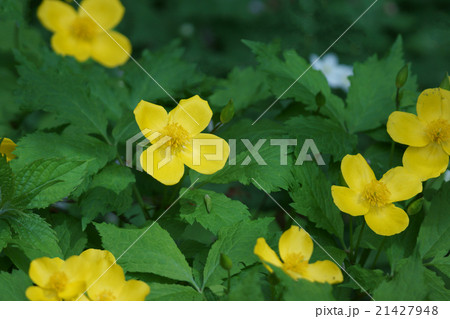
[
  {"x": 57, "y": 279},
  {"x": 93, "y": 269},
  {"x": 296, "y": 248},
  {"x": 427, "y": 134},
  {"x": 107, "y": 283},
  {"x": 77, "y": 33},
  {"x": 374, "y": 198},
  {"x": 177, "y": 140},
  {"x": 6, "y": 148}
]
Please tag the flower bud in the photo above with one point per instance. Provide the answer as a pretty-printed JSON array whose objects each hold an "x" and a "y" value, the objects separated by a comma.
[
  {"x": 225, "y": 262},
  {"x": 227, "y": 113},
  {"x": 208, "y": 203},
  {"x": 402, "y": 77},
  {"x": 415, "y": 207},
  {"x": 445, "y": 84}
]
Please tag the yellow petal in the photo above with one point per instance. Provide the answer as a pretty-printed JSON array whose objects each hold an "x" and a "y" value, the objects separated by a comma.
[
  {"x": 63, "y": 43},
  {"x": 39, "y": 294},
  {"x": 387, "y": 220},
  {"x": 193, "y": 114},
  {"x": 433, "y": 104},
  {"x": 323, "y": 271},
  {"x": 401, "y": 183},
  {"x": 76, "y": 268},
  {"x": 98, "y": 262},
  {"x": 426, "y": 162},
  {"x": 206, "y": 153},
  {"x": 56, "y": 15},
  {"x": 42, "y": 269},
  {"x": 111, "y": 52},
  {"x": 165, "y": 167},
  {"x": 405, "y": 128},
  {"x": 151, "y": 118},
  {"x": 266, "y": 254},
  {"x": 109, "y": 285},
  {"x": 7, "y": 147},
  {"x": 73, "y": 290},
  {"x": 356, "y": 172},
  {"x": 295, "y": 241},
  {"x": 349, "y": 201},
  {"x": 445, "y": 146},
  {"x": 96, "y": 255},
  {"x": 107, "y": 13},
  {"x": 134, "y": 290}
]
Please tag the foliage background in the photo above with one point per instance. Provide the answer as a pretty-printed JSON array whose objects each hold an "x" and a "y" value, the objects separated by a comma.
[{"x": 71, "y": 121}]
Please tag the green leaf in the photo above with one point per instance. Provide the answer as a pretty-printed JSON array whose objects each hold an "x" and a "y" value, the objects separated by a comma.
[
  {"x": 99, "y": 201},
  {"x": 247, "y": 285},
  {"x": 70, "y": 144},
  {"x": 369, "y": 279},
  {"x": 44, "y": 182},
  {"x": 442, "y": 263},
  {"x": 434, "y": 234},
  {"x": 113, "y": 177},
  {"x": 246, "y": 87},
  {"x": 13, "y": 285},
  {"x": 33, "y": 235},
  {"x": 371, "y": 97},
  {"x": 6, "y": 181},
  {"x": 167, "y": 68},
  {"x": 155, "y": 252},
  {"x": 5, "y": 234},
  {"x": 70, "y": 237},
  {"x": 436, "y": 287},
  {"x": 407, "y": 284},
  {"x": 329, "y": 137},
  {"x": 224, "y": 211},
  {"x": 284, "y": 72},
  {"x": 311, "y": 193},
  {"x": 169, "y": 292},
  {"x": 237, "y": 242}
]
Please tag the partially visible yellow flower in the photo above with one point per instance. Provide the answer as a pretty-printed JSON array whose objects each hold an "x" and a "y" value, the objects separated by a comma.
[
  {"x": 427, "y": 134},
  {"x": 93, "y": 270},
  {"x": 77, "y": 33},
  {"x": 6, "y": 148},
  {"x": 374, "y": 198},
  {"x": 57, "y": 279},
  {"x": 177, "y": 140},
  {"x": 296, "y": 248}
]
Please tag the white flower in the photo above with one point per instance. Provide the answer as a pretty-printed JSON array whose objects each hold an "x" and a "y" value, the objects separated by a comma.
[{"x": 336, "y": 74}]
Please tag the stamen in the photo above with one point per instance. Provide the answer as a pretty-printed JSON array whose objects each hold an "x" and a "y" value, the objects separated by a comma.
[
  {"x": 376, "y": 193},
  {"x": 438, "y": 131},
  {"x": 83, "y": 28}
]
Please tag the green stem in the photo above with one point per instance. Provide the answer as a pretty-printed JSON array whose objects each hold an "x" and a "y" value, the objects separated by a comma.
[
  {"x": 359, "y": 240},
  {"x": 365, "y": 254},
  {"x": 378, "y": 252},
  {"x": 218, "y": 125},
  {"x": 351, "y": 234},
  {"x": 229, "y": 281},
  {"x": 137, "y": 193},
  {"x": 397, "y": 107}
]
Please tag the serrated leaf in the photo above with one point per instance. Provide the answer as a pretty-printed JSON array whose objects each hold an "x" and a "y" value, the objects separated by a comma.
[
  {"x": 13, "y": 285},
  {"x": 33, "y": 235},
  {"x": 5, "y": 234},
  {"x": 237, "y": 242},
  {"x": 70, "y": 236},
  {"x": 434, "y": 234},
  {"x": 44, "y": 182},
  {"x": 436, "y": 287},
  {"x": 224, "y": 211},
  {"x": 248, "y": 285},
  {"x": 113, "y": 177},
  {"x": 155, "y": 252},
  {"x": 311, "y": 193},
  {"x": 371, "y": 97},
  {"x": 6, "y": 181}
]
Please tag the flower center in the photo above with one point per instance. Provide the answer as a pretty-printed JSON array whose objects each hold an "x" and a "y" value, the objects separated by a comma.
[
  {"x": 106, "y": 295},
  {"x": 438, "y": 130},
  {"x": 58, "y": 281},
  {"x": 376, "y": 193},
  {"x": 177, "y": 134},
  {"x": 83, "y": 28},
  {"x": 295, "y": 263}
]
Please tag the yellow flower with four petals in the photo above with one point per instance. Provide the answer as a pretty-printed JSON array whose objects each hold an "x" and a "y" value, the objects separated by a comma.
[
  {"x": 296, "y": 247},
  {"x": 81, "y": 33},
  {"x": 366, "y": 196},
  {"x": 177, "y": 140},
  {"x": 427, "y": 134}
]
